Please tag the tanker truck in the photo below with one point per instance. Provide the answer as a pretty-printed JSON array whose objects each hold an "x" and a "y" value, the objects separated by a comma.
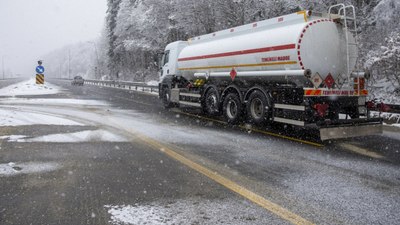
[{"x": 300, "y": 69}]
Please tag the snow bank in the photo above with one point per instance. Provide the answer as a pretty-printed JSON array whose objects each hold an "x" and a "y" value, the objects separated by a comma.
[
  {"x": 12, "y": 138},
  {"x": 12, "y": 169},
  {"x": 152, "y": 82},
  {"x": 187, "y": 211},
  {"x": 14, "y": 117},
  {"x": 82, "y": 136},
  {"x": 29, "y": 87},
  {"x": 50, "y": 101}
]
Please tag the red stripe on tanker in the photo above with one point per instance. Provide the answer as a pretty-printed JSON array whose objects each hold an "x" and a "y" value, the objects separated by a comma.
[{"x": 242, "y": 52}]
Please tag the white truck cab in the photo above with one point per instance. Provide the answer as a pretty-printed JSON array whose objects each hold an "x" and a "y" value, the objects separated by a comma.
[{"x": 169, "y": 61}]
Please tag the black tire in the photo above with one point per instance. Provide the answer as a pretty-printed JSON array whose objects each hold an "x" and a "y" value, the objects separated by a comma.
[
  {"x": 166, "y": 97},
  {"x": 232, "y": 108},
  {"x": 258, "y": 108},
  {"x": 211, "y": 102}
]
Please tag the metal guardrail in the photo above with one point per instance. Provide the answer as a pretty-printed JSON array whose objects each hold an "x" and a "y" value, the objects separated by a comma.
[{"x": 135, "y": 86}]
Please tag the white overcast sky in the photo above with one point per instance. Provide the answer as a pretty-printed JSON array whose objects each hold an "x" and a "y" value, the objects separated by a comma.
[{"x": 31, "y": 28}]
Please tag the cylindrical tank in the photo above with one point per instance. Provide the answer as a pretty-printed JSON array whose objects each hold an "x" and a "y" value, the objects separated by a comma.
[{"x": 317, "y": 44}]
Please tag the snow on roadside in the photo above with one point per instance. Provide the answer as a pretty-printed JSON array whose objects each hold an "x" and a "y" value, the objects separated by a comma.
[
  {"x": 12, "y": 138},
  {"x": 191, "y": 211},
  {"x": 52, "y": 101},
  {"x": 29, "y": 87},
  {"x": 152, "y": 83},
  {"x": 12, "y": 169},
  {"x": 82, "y": 136},
  {"x": 393, "y": 117},
  {"x": 13, "y": 117}
]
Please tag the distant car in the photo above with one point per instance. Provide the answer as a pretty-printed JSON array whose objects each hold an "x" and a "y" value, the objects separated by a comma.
[{"x": 78, "y": 80}]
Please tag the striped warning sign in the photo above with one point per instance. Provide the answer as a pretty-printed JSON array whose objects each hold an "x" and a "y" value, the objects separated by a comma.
[{"x": 39, "y": 79}]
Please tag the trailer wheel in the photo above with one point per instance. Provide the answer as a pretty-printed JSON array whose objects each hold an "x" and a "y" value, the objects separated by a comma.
[
  {"x": 258, "y": 107},
  {"x": 211, "y": 102},
  {"x": 166, "y": 97},
  {"x": 232, "y": 108}
]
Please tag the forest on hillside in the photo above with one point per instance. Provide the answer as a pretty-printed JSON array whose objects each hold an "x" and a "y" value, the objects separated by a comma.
[{"x": 136, "y": 30}]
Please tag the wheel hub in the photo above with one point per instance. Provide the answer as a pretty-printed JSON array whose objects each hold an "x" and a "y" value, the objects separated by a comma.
[
  {"x": 257, "y": 108},
  {"x": 212, "y": 102},
  {"x": 232, "y": 109}
]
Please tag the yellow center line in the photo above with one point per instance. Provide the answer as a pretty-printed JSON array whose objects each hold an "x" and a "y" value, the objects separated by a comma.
[
  {"x": 229, "y": 184},
  {"x": 361, "y": 151},
  {"x": 285, "y": 137}
]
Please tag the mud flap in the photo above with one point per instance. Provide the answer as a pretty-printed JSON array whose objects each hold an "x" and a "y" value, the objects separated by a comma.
[{"x": 350, "y": 131}]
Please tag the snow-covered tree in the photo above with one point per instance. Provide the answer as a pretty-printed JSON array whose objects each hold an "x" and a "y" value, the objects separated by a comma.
[
  {"x": 385, "y": 61},
  {"x": 111, "y": 22}
]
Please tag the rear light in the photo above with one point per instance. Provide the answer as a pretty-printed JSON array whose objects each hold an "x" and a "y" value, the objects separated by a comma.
[
  {"x": 321, "y": 109},
  {"x": 362, "y": 83},
  {"x": 370, "y": 105}
]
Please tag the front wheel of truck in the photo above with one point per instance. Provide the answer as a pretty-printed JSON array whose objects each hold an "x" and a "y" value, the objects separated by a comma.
[{"x": 166, "y": 97}]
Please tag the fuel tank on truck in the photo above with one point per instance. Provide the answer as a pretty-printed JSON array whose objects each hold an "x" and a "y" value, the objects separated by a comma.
[{"x": 279, "y": 49}]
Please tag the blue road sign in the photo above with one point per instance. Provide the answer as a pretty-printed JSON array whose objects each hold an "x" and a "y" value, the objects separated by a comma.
[{"x": 40, "y": 69}]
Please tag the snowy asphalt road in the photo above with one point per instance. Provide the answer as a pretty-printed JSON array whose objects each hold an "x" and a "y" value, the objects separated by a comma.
[{"x": 126, "y": 168}]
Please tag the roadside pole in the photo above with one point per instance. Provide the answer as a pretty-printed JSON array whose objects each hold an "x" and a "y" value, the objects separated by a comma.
[{"x": 40, "y": 73}]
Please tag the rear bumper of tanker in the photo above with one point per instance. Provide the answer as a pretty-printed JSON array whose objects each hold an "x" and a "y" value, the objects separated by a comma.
[{"x": 348, "y": 128}]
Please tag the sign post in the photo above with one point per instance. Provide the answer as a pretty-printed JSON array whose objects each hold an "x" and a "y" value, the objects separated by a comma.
[{"x": 40, "y": 73}]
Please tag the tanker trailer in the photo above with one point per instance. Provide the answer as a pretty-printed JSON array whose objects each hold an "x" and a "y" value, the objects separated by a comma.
[{"x": 300, "y": 69}]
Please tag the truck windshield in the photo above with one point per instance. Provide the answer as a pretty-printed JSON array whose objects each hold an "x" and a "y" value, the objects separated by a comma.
[{"x": 165, "y": 57}]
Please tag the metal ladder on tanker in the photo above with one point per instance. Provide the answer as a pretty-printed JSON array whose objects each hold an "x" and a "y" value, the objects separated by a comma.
[{"x": 348, "y": 20}]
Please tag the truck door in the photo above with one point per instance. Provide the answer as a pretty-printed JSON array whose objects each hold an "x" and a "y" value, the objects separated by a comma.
[{"x": 165, "y": 64}]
